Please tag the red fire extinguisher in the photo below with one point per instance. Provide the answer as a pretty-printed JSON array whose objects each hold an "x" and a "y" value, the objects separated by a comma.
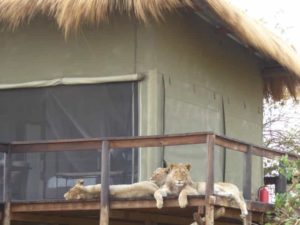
[{"x": 263, "y": 194}]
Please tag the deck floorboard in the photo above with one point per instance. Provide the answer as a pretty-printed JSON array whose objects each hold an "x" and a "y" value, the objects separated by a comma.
[{"x": 125, "y": 211}]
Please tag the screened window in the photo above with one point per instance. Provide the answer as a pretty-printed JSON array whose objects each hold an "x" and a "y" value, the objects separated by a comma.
[{"x": 66, "y": 112}]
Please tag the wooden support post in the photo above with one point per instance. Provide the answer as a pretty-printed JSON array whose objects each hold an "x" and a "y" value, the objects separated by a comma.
[
  {"x": 209, "y": 207},
  {"x": 6, "y": 214},
  {"x": 209, "y": 212},
  {"x": 105, "y": 168},
  {"x": 198, "y": 219},
  {"x": 201, "y": 221},
  {"x": 210, "y": 166},
  {"x": 248, "y": 219},
  {"x": 219, "y": 213},
  {"x": 247, "y": 174},
  {"x": 7, "y": 186}
]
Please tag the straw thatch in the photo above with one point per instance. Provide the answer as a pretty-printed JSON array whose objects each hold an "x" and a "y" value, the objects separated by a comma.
[
  {"x": 71, "y": 14},
  {"x": 255, "y": 35}
]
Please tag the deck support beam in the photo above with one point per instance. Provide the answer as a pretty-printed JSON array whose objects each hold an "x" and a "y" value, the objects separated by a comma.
[
  {"x": 125, "y": 216},
  {"x": 7, "y": 213},
  {"x": 217, "y": 214},
  {"x": 105, "y": 169},
  {"x": 37, "y": 218},
  {"x": 209, "y": 213},
  {"x": 248, "y": 219}
]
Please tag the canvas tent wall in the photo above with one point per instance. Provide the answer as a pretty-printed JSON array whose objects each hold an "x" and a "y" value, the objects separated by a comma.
[
  {"x": 211, "y": 83},
  {"x": 195, "y": 79}
]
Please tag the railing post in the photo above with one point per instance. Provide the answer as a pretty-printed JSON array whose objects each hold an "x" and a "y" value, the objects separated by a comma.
[
  {"x": 209, "y": 207},
  {"x": 210, "y": 165},
  {"x": 247, "y": 181},
  {"x": 105, "y": 169},
  {"x": 7, "y": 186}
]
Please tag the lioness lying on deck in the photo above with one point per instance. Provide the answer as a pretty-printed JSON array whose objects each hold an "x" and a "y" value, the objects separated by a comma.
[
  {"x": 140, "y": 189},
  {"x": 158, "y": 179},
  {"x": 179, "y": 182},
  {"x": 226, "y": 190}
]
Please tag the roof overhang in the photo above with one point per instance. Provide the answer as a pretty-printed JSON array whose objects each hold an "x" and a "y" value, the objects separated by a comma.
[
  {"x": 70, "y": 15},
  {"x": 270, "y": 50}
]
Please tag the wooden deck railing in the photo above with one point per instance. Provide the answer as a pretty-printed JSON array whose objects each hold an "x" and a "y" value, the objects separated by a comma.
[{"x": 106, "y": 144}]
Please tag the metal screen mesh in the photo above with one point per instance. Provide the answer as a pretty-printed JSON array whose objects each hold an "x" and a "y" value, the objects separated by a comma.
[{"x": 66, "y": 112}]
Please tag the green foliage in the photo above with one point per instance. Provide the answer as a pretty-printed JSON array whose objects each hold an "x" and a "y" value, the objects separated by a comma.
[
  {"x": 287, "y": 205},
  {"x": 286, "y": 167},
  {"x": 280, "y": 200},
  {"x": 282, "y": 132}
]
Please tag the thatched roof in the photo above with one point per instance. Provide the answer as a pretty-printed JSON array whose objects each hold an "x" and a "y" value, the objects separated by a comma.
[
  {"x": 71, "y": 14},
  {"x": 266, "y": 43}
]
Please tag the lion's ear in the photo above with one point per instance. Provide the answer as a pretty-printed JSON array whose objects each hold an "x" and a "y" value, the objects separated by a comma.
[
  {"x": 165, "y": 164},
  {"x": 168, "y": 169},
  {"x": 80, "y": 182},
  {"x": 171, "y": 166},
  {"x": 188, "y": 166}
]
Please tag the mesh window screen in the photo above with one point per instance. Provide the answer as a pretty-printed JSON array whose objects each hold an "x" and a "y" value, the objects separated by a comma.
[{"x": 65, "y": 112}]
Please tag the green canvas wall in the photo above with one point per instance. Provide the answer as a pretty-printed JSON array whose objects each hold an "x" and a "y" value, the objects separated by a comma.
[
  {"x": 211, "y": 84},
  {"x": 206, "y": 81},
  {"x": 39, "y": 51}
]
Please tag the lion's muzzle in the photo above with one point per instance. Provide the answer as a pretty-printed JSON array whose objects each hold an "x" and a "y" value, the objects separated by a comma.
[{"x": 179, "y": 183}]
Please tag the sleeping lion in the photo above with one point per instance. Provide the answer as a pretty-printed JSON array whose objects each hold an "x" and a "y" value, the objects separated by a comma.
[
  {"x": 226, "y": 190},
  {"x": 139, "y": 189},
  {"x": 158, "y": 179}
]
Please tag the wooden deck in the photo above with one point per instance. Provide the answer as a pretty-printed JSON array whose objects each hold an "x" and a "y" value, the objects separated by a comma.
[
  {"x": 138, "y": 211},
  {"x": 130, "y": 211}
]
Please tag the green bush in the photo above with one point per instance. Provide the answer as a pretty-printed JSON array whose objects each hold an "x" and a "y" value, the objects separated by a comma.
[{"x": 287, "y": 205}]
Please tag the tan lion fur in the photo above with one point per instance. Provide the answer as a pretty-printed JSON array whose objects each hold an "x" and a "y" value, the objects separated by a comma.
[
  {"x": 226, "y": 190},
  {"x": 161, "y": 177},
  {"x": 178, "y": 182},
  {"x": 139, "y": 189},
  {"x": 222, "y": 189},
  {"x": 79, "y": 191}
]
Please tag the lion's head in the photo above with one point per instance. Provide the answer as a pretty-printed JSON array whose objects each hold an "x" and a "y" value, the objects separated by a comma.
[
  {"x": 179, "y": 175},
  {"x": 75, "y": 192},
  {"x": 159, "y": 176}
]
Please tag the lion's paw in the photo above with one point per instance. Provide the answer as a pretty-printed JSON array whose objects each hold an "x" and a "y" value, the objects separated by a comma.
[
  {"x": 244, "y": 215},
  {"x": 183, "y": 202},
  {"x": 159, "y": 204},
  {"x": 164, "y": 193}
]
